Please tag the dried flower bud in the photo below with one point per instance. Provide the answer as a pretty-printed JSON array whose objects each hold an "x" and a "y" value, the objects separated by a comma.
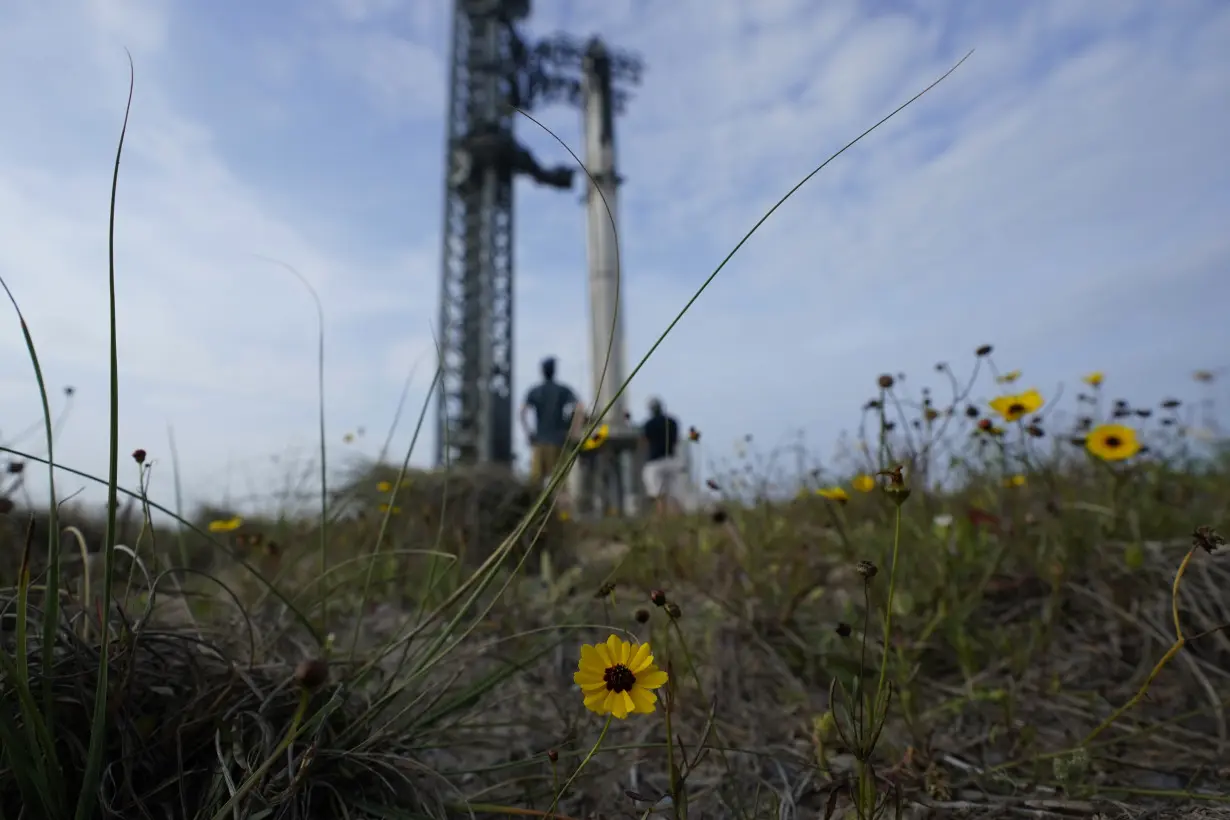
[
  {"x": 673, "y": 610},
  {"x": 553, "y": 755},
  {"x": 720, "y": 516},
  {"x": 604, "y": 590},
  {"x": 1208, "y": 539},
  {"x": 985, "y": 350},
  {"x": 885, "y": 381},
  {"x": 844, "y": 630},
  {"x": 641, "y": 615},
  {"x": 866, "y": 569},
  {"x": 312, "y": 674},
  {"x": 16, "y": 467},
  {"x": 658, "y": 597},
  {"x": 138, "y": 455}
]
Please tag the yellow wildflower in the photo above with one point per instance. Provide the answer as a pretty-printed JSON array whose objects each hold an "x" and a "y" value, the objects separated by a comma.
[
  {"x": 1013, "y": 408},
  {"x": 1009, "y": 377},
  {"x": 834, "y": 494},
  {"x": 863, "y": 483},
  {"x": 597, "y": 438},
  {"x": 384, "y": 487},
  {"x": 1093, "y": 379},
  {"x": 618, "y": 678},
  {"x": 226, "y": 524},
  {"x": 1112, "y": 442},
  {"x": 1015, "y": 481},
  {"x": 384, "y": 508}
]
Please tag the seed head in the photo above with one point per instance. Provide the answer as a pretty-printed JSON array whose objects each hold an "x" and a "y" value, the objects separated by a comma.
[
  {"x": 658, "y": 597},
  {"x": 1208, "y": 539},
  {"x": 673, "y": 610},
  {"x": 312, "y": 674},
  {"x": 971, "y": 411},
  {"x": 844, "y": 630},
  {"x": 641, "y": 615},
  {"x": 138, "y": 455},
  {"x": 1170, "y": 404},
  {"x": 553, "y": 755},
  {"x": 885, "y": 381},
  {"x": 16, "y": 467},
  {"x": 69, "y": 390},
  {"x": 866, "y": 569},
  {"x": 713, "y": 485},
  {"x": 985, "y": 350}
]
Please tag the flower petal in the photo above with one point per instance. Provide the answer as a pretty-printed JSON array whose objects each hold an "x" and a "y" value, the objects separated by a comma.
[
  {"x": 617, "y": 649},
  {"x": 591, "y": 659},
  {"x": 641, "y": 658},
  {"x": 644, "y": 700},
  {"x": 587, "y": 680},
  {"x": 652, "y": 679},
  {"x": 596, "y": 701}
]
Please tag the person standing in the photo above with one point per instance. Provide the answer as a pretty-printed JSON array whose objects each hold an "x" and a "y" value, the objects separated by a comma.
[
  {"x": 663, "y": 468},
  {"x": 556, "y": 413}
]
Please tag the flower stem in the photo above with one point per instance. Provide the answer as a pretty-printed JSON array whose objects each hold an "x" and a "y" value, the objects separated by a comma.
[{"x": 588, "y": 757}]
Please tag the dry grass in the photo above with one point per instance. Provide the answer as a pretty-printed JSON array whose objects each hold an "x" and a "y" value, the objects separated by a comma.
[{"x": 1011, "y": 643}]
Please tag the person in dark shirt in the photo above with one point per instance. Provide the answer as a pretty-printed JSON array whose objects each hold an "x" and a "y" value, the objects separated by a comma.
[
  {"x": 663, "y": 468},
  {"x": 556, "y": 412}
]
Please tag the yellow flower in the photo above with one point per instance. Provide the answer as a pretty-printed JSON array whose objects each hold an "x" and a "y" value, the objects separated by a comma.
[
  {"x": 348, "y": 438},
  {"x": 1094, "y": 379},
  {"x": 384, "y": 508},
  {"x": 1015, "y": 481},
  {"x": 384, "y": 487},
  {"x": 597, "y": 438},
  {"x": 863, "y": 483},
  {"x": 563, "y": 515},
  {"x": 1013, "y": 408},
  {"x": 1112, "y": 442},
  {"x": 618, "y": 678},
  {"x": 226, "y": 524},
  {"x": 834, "y": 494},
  {"x": 1009, "y": 377}
]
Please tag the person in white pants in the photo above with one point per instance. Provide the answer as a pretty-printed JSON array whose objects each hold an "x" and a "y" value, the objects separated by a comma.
[{"x": 663, "y": 470}]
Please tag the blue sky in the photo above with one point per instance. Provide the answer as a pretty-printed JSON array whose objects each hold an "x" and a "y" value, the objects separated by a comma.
[{"x": 1064, "y": 196}]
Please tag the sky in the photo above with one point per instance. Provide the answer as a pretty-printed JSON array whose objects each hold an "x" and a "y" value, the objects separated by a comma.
[{"x": 1063, "y": 196}]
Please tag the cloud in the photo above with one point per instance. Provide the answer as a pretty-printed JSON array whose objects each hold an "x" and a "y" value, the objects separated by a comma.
[{"x": 1062, "y": 195}]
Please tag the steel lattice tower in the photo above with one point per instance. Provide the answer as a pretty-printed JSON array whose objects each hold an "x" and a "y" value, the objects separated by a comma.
[{"x": 492, "y": 72}]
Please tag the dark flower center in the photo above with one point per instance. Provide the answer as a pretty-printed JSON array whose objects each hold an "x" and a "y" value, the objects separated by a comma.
[
  {"x": 619, "y": 678},
  {"x": 1016, "y": 409},
  {"x": 1114, "y": 442}
]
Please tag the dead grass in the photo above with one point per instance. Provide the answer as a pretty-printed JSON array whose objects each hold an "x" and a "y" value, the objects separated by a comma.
[{"x": 1009, "y": 648}]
